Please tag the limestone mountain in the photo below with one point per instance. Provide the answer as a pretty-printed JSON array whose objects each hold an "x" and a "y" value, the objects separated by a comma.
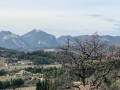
[
  {"x": 10, "y": 40},
  {"x": 39, "y": 39},
  {"x": 110, "y": 39}
]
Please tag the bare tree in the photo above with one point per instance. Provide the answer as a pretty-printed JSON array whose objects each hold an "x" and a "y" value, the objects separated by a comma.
[{"x": 89, "y": 60}]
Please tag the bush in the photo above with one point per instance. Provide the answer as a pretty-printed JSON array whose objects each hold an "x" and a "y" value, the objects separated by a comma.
[
  {"x": 11, "y": 84},
  {"x": 2, "y": 72},
  {"x": 17, "y": 82}
]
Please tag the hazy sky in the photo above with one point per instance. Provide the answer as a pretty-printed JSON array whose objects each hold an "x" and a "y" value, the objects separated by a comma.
[{"x": 61, "y": 17}]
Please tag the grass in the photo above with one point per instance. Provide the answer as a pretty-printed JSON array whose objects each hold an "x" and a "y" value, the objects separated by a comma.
[
  {"x": 48, "y": 66},
  {"x": 26, "y": 66},
  {"x": 4, "y": 78},
  {"x": 2, "y": 64},
  {"x": 25, "y": 88}
]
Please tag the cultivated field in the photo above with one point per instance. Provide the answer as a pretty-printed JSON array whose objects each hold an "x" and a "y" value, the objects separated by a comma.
[{"x": 25, "y": 88}]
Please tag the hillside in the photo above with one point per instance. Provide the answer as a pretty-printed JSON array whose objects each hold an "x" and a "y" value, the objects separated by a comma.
[{"x": 37, "y": 39}]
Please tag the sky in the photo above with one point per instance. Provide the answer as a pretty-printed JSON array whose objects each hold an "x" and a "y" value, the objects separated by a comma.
[{"x": 61, "y": 17}]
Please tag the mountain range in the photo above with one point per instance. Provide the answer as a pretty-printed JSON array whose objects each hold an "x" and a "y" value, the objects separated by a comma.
[{"x": 37, "y": 39}]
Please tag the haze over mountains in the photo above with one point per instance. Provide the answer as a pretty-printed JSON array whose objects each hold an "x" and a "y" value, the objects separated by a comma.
[{"x": 37, "y": 39}]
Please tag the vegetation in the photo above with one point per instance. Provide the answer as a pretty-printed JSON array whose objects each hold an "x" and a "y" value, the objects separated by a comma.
[
  {"x": 11, "y": 84},
  {"x": 45, "y": 85},
  {"x": 90, "y": 61},
  {"x": 2, "y": 72},
  {"x": 38, "y": 57},
  {"x": 48, "y": 72},
  {"x": 93, "y": 62},
  {"x": 7, "y": 52}
]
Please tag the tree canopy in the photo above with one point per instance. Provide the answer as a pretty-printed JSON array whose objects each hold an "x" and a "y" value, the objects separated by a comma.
[{"x": 90, "y": 60}]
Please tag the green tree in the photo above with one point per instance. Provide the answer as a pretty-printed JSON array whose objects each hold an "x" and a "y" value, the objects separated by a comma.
[
  {"x": 2, "y": 72},
  {"x": 17, "y": 82},
  {"x": 39, "y": 85},
  {"x": 6, "y": 84},
  {"x": 1, "y": 85},
  {"x": 45, "y": 85}
]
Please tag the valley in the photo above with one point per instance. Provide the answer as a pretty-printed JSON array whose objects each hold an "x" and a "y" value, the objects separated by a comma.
[{"x": 79, "y": 63}]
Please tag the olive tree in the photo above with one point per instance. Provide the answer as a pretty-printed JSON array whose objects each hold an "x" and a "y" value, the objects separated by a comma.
[{"x": 89, "y": 60}]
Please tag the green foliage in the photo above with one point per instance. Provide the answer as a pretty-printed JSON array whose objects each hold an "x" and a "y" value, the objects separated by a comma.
[
  {"x": 2, "y": 72},
  {"x": 45, "y": 85},
  {"x": 1, "y": 85},
  {"x": 53, "y": 72},
  {"x": 34, "y": 70},
  {"x": 38, "y": 57},
  {"x": 48, "y": 72},
  {"x": 11, "y": 84},
  {"x": 6, "y": 84},
  {"x": 17, "y": 82},
  {"x": 7, "y": 52}
]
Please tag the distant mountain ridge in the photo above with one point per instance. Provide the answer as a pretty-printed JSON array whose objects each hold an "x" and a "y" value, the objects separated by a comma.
[
  {"x": 112, "y": 39},
  {"x": 10, "y": 40},
  {"x": 37, "y": 39},
  {"x": 34, "y": 39}
]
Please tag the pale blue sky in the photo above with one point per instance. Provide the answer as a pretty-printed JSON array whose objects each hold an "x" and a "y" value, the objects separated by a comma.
[{"x": 61, "y": 17}]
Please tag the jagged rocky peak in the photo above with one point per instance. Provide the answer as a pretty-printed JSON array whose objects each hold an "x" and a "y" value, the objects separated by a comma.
[
  {"x": 2, "y": 33},
  {"x": 10, "y": 40},
  {"x": 7, "y": 35},
  {"x": 36, "y": 30},
  {"x": 39, "y": 38}
]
